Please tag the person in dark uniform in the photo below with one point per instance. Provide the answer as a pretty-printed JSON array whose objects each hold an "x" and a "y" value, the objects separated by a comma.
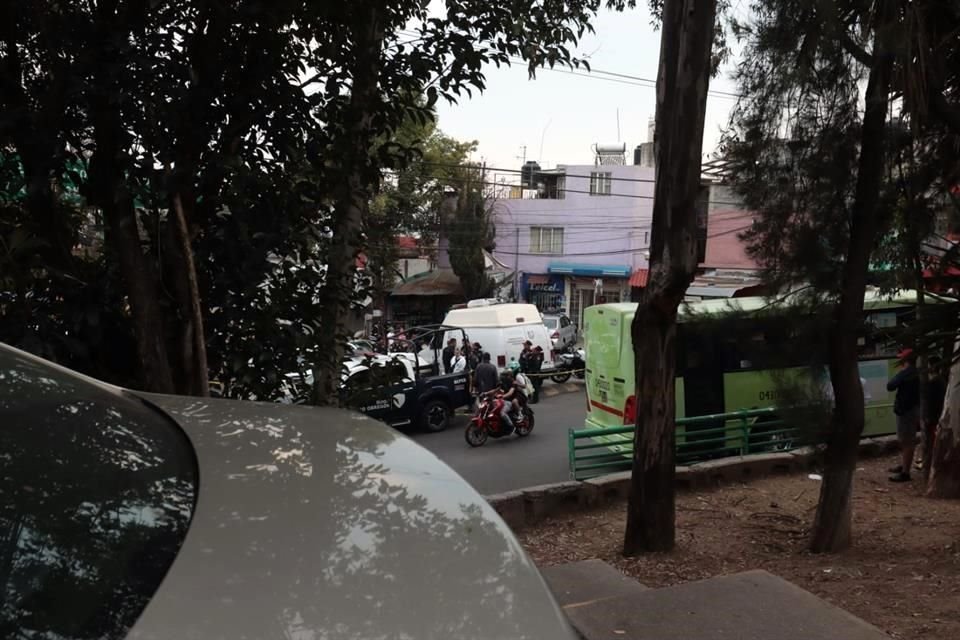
[
  {"x": 535, "y": 364},
  {"x": 525, "y": 355},
  {"x": 906, "y": 407},
  {"x": 448, "y": 352}
]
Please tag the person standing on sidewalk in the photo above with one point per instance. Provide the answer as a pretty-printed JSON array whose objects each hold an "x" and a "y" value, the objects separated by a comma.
[
  {"x": 535, "y": 363},
  {"x": 906, "y": 407}
]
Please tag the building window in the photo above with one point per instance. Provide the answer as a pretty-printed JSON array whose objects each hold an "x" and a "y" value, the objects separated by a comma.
[
  {"x": 600, "y": 183},
  {"x": 547, "y": 240}
]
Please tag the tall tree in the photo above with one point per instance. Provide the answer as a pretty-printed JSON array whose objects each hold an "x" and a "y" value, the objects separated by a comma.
[
  {"x": 832, "y": 524},
  {"x": 818, "y": 172},
  {"x": 470, "y": 231},
  {"x": 687, "y": 30},
  {"x": 385, "y": 70}
]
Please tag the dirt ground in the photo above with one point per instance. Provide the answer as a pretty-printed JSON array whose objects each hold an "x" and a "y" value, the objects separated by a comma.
[{"x": 902, "y": 574}]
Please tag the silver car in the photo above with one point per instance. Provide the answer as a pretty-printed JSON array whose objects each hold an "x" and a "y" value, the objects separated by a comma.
[
  {"x": 132, "y": 515},
  {"x": 563, "y": 333}
]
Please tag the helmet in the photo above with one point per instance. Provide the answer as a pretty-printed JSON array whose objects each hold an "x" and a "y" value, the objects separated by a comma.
[{"x": 514, "y": 366}]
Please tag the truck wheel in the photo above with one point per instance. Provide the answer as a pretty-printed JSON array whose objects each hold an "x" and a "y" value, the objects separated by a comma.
[{"x": 435, "y": 416}]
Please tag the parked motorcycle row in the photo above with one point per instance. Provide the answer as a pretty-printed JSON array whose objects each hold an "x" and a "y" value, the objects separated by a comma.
[{"x": 572, "y": 363}]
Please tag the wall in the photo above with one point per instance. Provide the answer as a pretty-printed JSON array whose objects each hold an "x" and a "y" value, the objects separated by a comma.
[
  {"x": 726, "y": 218},
  {"x": 610, "y": 230}
]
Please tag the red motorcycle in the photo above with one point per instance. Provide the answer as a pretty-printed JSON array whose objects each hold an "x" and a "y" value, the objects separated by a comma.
[{"x": 488, "y": 422}]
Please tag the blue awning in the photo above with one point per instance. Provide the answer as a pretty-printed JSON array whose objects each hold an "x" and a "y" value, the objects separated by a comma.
[{"x": 590, "y": 270}]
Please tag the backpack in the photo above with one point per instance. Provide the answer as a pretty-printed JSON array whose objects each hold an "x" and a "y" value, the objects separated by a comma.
[{"x": 526, "y": 383}]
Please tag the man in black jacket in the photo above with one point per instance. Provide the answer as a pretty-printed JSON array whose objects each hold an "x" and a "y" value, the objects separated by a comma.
[
  {"x": 448, "y": 352},
  {"x": 906, "y": 406}
]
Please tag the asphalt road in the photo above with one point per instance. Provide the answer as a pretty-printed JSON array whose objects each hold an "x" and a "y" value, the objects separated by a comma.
[{"x": 512, "y": 463}]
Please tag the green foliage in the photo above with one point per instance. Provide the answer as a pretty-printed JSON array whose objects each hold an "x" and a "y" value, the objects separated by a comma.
[
  {"x": 246, "y": 112},
  {"x": 470, "y": 231},
  {"x": 792, "y": 144},
  {"x": 409, "y": 200}
]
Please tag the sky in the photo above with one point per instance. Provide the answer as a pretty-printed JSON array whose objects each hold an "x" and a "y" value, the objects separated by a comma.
[{"x": 559, "y": 115}]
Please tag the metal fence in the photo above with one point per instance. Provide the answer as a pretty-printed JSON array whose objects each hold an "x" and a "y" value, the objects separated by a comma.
[{"x": 594, "y": 452}]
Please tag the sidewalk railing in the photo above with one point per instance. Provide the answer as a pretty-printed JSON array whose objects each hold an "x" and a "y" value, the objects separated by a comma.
[{"x": 595, "y": 452}]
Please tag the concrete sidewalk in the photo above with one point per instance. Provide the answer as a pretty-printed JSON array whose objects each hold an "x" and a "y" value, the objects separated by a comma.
[{"x": 753, "y": 605}]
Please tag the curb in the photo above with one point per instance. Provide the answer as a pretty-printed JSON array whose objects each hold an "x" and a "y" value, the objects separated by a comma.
[{"x": 529, "y": 506}]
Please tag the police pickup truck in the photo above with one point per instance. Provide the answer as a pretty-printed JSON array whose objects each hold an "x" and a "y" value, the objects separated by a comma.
[{"x": 400, "y": 390}]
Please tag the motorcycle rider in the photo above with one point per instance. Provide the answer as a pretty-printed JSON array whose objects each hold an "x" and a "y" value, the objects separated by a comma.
[
  {"x": 509, "y": 392},
  {"x": 520, "y": 380}
]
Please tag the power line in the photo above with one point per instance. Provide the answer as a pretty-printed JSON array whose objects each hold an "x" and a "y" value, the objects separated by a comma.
[
  {"x": 633, "y": 81},
  {"x": 614, "y": 76},
  {"x": 581, "y": 191},
  {"x": 576, "y": 255},
  {"x": 454, "y": 179},
  {"x": 545, "y": 172}
]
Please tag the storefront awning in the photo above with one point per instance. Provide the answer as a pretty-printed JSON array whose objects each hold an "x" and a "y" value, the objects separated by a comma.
[
  {"x": 591, "y": 270},
  {"x": 639, "y": 277}
]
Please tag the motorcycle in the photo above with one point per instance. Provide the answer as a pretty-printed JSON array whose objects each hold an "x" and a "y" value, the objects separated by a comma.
[
  {"x": 489, "y": 424},
  {"x": 571, "y": 363}
]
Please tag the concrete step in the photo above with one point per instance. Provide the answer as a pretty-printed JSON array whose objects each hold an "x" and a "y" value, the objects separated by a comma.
[
  {"x": 753, "y": 605},
  {"x": 588, "y": 581}
]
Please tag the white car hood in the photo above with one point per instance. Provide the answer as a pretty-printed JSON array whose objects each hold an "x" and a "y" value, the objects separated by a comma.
[{"x": 314, "y": 524}]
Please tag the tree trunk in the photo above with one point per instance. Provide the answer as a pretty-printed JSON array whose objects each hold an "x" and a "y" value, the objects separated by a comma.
[
  {"x": 832, "y": 524},
  {"x": 109, "y": 191},
  {"x": 351, "y": 205},
  {"x": 124, "y": 237},
  {"x": 945, "y": 459},
  {"x": 194, "y": 341},
  {"x": 682, "y": 82}
]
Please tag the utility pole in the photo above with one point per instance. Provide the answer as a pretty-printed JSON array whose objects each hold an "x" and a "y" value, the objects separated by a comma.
[{"x": 523, "y": 154}]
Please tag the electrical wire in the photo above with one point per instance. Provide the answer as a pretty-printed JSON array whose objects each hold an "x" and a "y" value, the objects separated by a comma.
[
  {"x": 615, "y": 76},
  {"x": 574, "y": 255}
]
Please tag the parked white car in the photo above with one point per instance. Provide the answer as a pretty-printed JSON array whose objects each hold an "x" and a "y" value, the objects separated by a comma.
[
  {"x": 164, "y": 517},
  {"x": 563, "y": 333}
]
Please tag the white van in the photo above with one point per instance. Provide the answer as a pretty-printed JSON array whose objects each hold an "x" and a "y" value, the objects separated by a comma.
[{"x": 501, "y": 329}]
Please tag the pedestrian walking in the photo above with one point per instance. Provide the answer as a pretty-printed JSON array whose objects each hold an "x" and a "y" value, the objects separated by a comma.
[{"x": 906, "y": 407}]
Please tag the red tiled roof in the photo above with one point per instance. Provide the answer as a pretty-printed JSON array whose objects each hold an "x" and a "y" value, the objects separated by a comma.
[
  {"x": 638, "y": 279},
  {"x": 406, "y": 242}
]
